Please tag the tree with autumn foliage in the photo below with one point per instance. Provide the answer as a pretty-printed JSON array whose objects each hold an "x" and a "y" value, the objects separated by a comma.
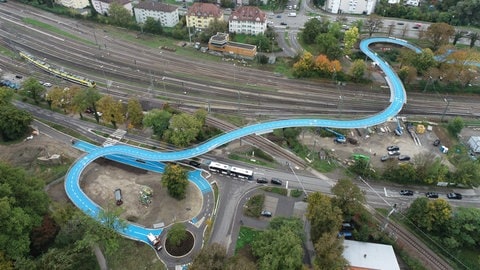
[
  {"x": 112, "y": 110},
  {"x": 324, "y": 217},
  {"x": 325, "y": 67},
  {"x": 304, "y": 67},
  {"x": 175, "y": 179},
  {"x": 463, "y": 63},
  {"x": 350, "y": 39},
  {"x": 430, "y": 215},
  {"x": 358, "y": 69},
  {"x": 439, "y": 34}
]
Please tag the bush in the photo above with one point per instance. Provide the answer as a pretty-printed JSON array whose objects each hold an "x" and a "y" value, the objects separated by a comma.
[
  {"x": 296, "y": 193},
  {"x": 254, "y": 205}
]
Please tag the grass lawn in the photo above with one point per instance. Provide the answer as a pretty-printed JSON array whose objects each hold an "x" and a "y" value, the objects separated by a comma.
[
  {"x": 245, "y": 237},
  {"x": 134, "y": 255},
  {"x": 55, "y": 30}
]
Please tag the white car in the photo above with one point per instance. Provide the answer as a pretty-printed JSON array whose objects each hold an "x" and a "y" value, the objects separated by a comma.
[{"x": 47, "y": 84}]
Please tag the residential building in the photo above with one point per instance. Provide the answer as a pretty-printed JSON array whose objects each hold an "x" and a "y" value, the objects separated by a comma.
[
  {"x": 414, "y": 3},
  {"x": 247, "y": 20},
  {"x": 365, "y": 7},
  {"x": 76, "y": 4},
  {"x": 102, "y": 6},
  {"x": 200, "y": 15},
  {"x": 363, "y": 255},
  {"x": 220, "y": 43},
  {"x": 166, "y": 14}
]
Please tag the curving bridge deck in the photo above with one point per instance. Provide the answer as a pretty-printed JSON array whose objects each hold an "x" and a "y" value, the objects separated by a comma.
[{"x": 152, "y": 160}]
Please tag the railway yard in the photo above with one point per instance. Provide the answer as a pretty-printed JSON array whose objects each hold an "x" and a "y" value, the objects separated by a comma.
[{"x": 155, "y": 76}]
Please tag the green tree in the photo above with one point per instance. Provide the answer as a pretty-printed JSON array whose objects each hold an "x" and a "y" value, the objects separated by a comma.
[
  {"x": 430, "y": 215},
  {"x": 473, "y": 38},
  {"x": 175, "y": 179},
  {"x": 358, "y": 69},
  {"x": 429, "y": 168},
  {"x": 153, "y": 26},
  {"x": 135, "y": 112},
  {"x": 62, "y": 98},
  {"x": 328, "y": 45},
  {"x": 158, "y": 120},
  {"x": 113, "y": 110},
  {"x": 467, "y": 173},
  {"x": 348, "y": 197},
  {"x": 465, "y": 227},
  {"x": 213, "y": 257},
  {"x": 329, "y": 253},
  {"x": 87, "y": 99},
  {"x": 177, "y": 234},
  {"x": 373, "y": 24},
  {"x": 5, "y": 263},
  {"x": 33, "y": 89},
  {"x": 14, "y": 123},
  {"x": 183, "y": 129},
  {"x": 311, "y": 30},
  {"x": 350, "y": 39},
  {"x": 216, "y": 26},
  {"x": 439, "y": 34},
  {"x": 279, "y": 247},
  {"x": 455, "y": 126},
  {"x": 423, "y": 61},
  {"x": 6, "y": 96},
  {"x": 118, "y": 15},
  {"x": 323, "y": 215}
]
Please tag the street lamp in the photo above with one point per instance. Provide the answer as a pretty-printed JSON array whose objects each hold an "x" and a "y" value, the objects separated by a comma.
[
  {"x": 298, "y": 179},
  {"x": 446, "y": 108}
]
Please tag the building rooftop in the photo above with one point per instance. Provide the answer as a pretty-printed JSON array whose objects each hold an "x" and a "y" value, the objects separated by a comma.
[
  {"x": 248, "y": 13},
  {"x": 121, "y": 2},
  {"x": 204, "y": 10},
  {"x": 369, "y": 255},
  {"x": 156, "y": 6}
]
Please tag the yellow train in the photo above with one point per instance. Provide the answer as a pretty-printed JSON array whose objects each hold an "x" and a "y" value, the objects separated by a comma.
[{"x": 62, "y": 74}]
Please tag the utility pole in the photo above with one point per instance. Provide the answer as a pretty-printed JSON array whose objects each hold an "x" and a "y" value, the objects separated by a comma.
[{"x": 446, "y": 108}]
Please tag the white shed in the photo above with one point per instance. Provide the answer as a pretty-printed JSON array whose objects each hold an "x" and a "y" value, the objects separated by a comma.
[{"x": 474, "y": 143}]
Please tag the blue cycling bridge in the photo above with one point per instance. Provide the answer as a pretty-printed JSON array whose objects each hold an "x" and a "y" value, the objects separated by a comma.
[{"x": 129, "y": 153}]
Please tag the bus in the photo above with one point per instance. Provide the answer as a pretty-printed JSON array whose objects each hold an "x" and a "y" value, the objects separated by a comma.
[
  {"x": 219, "y": 168},
  {"x": 241, "y": 173}
]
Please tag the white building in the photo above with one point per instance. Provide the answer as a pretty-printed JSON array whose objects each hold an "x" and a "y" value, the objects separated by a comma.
[
  {"x": 414, "y": 3},
  {"x": 76, "y": 4},
  {"x": 350, "y": 6},
  {"x": 166, "y": 14},
  {"x": 363, "y": 255},
  {"x": 474, "y": 143},
  {"x": 247, "y": 20},
  {"x": 102, "y": 6}
]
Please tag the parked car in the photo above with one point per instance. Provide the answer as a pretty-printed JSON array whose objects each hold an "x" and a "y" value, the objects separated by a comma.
[
  {"x": 18, "y": 76},
  {"x": 47, "y": 84},
  {"x": 262, "y": 180},
  {"x": 279, "y": 16},
  {"x": 394, "y": 153},
  {"x": 431, "y": 195},
  {"x": 385, "y": 158},
  {"x": 454, "y": 196},
  {"x": 276, "y": 181},
  {"x": 393, "y": 148},
  {"x": 436, "y": 142},
  {"x": 283, "y": 23},
  {"x": 404, "y": 158},
  {"x": 194, "y": 163},
  {"x": 406, "y": 192},
  {"x": 266, "y": 213},
  {"x": 400, "y": 23}
]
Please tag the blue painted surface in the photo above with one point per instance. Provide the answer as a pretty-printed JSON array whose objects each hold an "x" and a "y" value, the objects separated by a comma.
[{"x": 79, "y": 198}]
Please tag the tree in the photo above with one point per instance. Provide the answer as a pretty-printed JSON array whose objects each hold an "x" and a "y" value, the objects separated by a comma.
[
  {"x": 153, "y": 26},
  {"x": 323, "y": 215},
  {"x": 304, "y": 66},
  {"x": 112, "y": 110},
  {"x": 455, "y": 126},
  {"x": 429, "y": 168},
  {"x": 213, "y": 257},
  {"x": 329, "y": 253},
  {"x": 33, "y": 89},
  {"x": 279, "y": 247},
  {"x": 182, "y": 130},
  {"x": 43, "y": 236},
  {"x": 430, "y": 215},
  {"x": 467, "y": 173},
  {"x": 119, "y": 15},
  {"x": 135, "y": 112},
  {"x": 177, "y": 234},
  {"x": 465, "y": 227},
  {"x": 424, "y": 60},
  {"x": 439, "y": 34},
  {"x": 348, "y": 197},
  {"x": 311, "y": 30},
  {"x": 158, "y": 120},
  {"x": 373, "y": 24},
  {"x": 474, "y": 36},
  {"x": 457, "y": 36},
  {"x": 325, "y": 67},
  {"x": 175, "y": 179},
  {"x": 357, "y": 70},
  {"x": 328, "y": 45},
  {"x": 87, "y": 99},
  {"x": 215, "y": 26},
  {"x": 350, "y": 39},
  {"x": 14, "y": 123},
  {"x": 6, "y": 96}
]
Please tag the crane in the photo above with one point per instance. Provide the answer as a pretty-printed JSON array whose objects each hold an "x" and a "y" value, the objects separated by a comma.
[
  {"x": 399, "y": 129},
  {"x": 340, "y": 138}
]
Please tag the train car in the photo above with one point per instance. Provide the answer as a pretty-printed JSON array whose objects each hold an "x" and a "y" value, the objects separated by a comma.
[
  {"x": 56, "y": 72},
  {"x": 219, "y": 168},
  {"x": 241, "y": 173}
]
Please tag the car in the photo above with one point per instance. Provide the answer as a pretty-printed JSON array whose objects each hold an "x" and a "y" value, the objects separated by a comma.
[
  {"x": 406, "y": 192},
  {"x": 47, "y": 84},
  {"x": 436, "y": 142},
  {"x": 266, "y": 213},
  {"x": 276, "y": 181},
  {"x": 283, "y": 23},
  {"x": 454, "y": 196},
  {"x": 393, "y": 148},
  {"x": 262, "y": 180},
  {"x": 279, "y": 16},
  {"x": 394, "y": 153},
  {"x": 385, "y": 158},
  {"x": 194, "y": 163},
  {"x": 431, "y": 195},
  {"x": 404, "y": 158},
  {"x": 18, "y": 76},
  {"x": 400, "y": 23}
]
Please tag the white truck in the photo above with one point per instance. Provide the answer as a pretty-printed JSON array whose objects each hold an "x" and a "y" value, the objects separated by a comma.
[
  {"x": 155, "y": 241},
  {"x": 292, "y": 14}
]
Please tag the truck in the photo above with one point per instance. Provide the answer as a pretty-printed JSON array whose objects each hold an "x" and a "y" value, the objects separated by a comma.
[
  {"x": 155, "y": 241},
  {"x": 292, "y": 14}
]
